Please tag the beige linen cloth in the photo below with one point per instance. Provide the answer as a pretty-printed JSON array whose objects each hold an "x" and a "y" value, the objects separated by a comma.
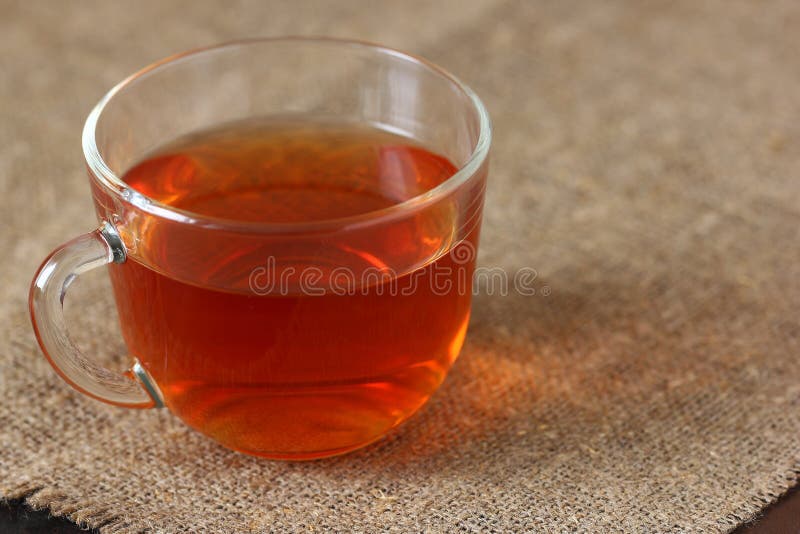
[{"x": 646, "y": 163}]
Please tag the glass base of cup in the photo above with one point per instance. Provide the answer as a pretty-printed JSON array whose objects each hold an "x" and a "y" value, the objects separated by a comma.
[{"x": 299, "y": 425}]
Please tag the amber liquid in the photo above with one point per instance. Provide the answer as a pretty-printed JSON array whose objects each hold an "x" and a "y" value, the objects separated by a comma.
[{"x": 287, "y": 374}]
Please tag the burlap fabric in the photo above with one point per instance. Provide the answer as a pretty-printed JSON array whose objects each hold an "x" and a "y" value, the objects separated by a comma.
[{"x": 645, "y": 164}]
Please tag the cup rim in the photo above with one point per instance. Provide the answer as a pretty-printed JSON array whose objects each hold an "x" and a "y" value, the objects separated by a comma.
[{"x": 121, "y": 191}]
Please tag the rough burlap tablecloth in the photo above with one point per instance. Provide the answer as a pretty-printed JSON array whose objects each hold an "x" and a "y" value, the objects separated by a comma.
[{"x": 645, "y": 163}]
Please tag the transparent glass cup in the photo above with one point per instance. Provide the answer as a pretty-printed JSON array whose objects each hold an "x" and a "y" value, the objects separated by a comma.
[{"x": 319, "y": 400}]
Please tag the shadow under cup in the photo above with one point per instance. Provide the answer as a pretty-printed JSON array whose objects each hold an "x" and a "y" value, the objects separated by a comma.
[{"x": 279, "y": 340}]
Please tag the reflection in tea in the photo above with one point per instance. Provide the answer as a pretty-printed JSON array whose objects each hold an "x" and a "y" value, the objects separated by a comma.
[{"x": 291, "y": 373}]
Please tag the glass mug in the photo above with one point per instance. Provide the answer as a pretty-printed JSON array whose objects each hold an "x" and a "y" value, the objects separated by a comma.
[{"x": 280, "y": 370}]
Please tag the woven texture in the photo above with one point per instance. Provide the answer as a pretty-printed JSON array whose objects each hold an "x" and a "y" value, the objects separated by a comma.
[{"x": 645, "y": 163}]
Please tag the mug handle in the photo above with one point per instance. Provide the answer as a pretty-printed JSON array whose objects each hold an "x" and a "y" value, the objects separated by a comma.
[{"x": 132, "y": 389}]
